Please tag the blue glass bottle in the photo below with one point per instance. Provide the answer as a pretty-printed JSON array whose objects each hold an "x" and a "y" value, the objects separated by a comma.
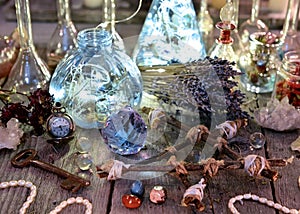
[
  {"x": 169, "y": 35},
  {"x": 95, "y": 79}
]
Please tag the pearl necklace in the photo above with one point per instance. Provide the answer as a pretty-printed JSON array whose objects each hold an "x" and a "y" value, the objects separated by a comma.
[
  {"x": 261, "y": 200},
  {"x": 72, "y": 200},
  {"x": 33, "y": 192},
  {"x": 22, "y": 183}
]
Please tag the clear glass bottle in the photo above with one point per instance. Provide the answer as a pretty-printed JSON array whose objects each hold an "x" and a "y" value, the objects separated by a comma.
[
  {"x": 252, "y": 25},
  {"x": 63, "y": 38},
  {"x": 289, "y": 36},
  {"x": 206, "y": 25},
  {"x": 29, "y": 71},
  {"x": 96, "y": 79},
  {"x": 288, "y": 79},
  {"x": 261, "y": 62},
  {"x": 223, "y": 48},
  {"x": 109, "y": 17},
  {"x": 170, "y": 34}
]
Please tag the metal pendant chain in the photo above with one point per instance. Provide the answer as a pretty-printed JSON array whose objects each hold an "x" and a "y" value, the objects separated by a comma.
[{"x": 261, "y": 200}]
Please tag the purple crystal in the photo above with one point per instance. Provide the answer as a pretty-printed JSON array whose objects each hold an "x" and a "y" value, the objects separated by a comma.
[{"x": 125, "y": 132}]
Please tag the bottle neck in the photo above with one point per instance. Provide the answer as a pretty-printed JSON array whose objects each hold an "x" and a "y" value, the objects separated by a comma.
[
  {"x": 291, "y": 18},
  {"x": 254, "y": 10},
  {"x": 236, "y": 4},
  {"x": 109, "y": 15},
  {"x": 94, "y": 39},
  {"x": 63, "y": 11},
  {"x": 225, "y": 32},
  {"x": 24, "y": 23}
]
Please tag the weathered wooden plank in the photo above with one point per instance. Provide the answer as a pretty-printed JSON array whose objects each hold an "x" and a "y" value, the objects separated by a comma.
[
  {"x": 50, "y": 194},
  {"x": 287, "y": 191}
]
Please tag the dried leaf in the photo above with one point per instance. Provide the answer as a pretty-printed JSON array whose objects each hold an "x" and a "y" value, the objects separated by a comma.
[{"x": 295, "y": 146}]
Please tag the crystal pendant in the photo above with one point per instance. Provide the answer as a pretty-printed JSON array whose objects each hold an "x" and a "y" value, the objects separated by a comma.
[
  {"x": 64, "y": 36},
  {"x": 125, "y": 132},
  {"x": 223, "y": 48},
  {"x": 290, "y": 38},
  {"x": 169, "y": 35},
  {"x": 29, "y": 71},
  {"x": 96, "y": 79}
]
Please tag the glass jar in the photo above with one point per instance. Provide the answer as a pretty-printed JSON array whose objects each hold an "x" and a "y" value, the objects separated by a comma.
[
  {"x": 288, "y": 79},
  {"x": 261, "y": 62},
  {"x": 95, "y": 79}
]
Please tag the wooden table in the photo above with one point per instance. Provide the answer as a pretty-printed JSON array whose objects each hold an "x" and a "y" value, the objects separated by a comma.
[{"x": 106, "y": 195}]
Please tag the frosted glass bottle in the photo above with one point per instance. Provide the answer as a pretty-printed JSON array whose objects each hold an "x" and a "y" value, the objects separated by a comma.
[
  {"x": 95, "y": 79},
  {"x": 29, "y": 71},
  {"x": 170, "y": 34},
  {"x": 63, "y": 38}
]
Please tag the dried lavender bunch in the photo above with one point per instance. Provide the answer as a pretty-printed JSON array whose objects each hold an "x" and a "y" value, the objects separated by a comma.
[{"x": 206, "y": 85}]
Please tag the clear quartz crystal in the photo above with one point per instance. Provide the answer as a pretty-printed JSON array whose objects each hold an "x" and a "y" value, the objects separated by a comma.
[
  {"x": 63, "y": 38},
  {"x": 257, "y": 140},
  {"x": 170, "y": 34},
  {"x": 290, "y": 38},
  {"x": 29, "y": 71},
  {"x": 84, "y": 161}
]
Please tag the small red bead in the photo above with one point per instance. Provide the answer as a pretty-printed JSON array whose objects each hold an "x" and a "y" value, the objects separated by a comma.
[{"x": 131, "y": 201}]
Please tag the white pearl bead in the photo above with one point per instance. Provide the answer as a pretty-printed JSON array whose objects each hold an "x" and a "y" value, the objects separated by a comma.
[
  {"x": 71, "y": 200},
  {"x": 89, "y": 206},
  {"x": 58, "y": 209},
  {"x": 247, "y": 196},
  {"x": 254, "y": 197},
  {"x": 4, "y": 185},
  {"x": 28, "y": 184},
  {"x": 285, "y": 209},
  {"x": 22, "y": 210},
  {"x": 262, "y": 200},
  {"x": 63, "y": 204},
  {"x": 85, "y": 202},
  {"x": 21, "y": 182},
  {"x": 270, "y": 203},
  {"x": 277, "y": 206},
  {"x": 13, "y": 183},
  {"x": 294, "y": 211},
  {"x": 79, "y": 200},
  {"x": 53, "y": 212}
]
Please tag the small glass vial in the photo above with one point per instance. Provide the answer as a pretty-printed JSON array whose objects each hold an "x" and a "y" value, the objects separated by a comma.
[{"x": 288, "y": 79}]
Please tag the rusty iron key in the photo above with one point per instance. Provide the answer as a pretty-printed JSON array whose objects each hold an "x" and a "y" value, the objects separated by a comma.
[{"x": 29, "y": 157}]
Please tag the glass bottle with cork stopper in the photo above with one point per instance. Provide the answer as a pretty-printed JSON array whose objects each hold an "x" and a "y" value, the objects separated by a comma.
[{"x": 223, "y": 46}]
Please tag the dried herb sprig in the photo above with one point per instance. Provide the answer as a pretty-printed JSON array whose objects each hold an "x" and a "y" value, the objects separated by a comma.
[
  {"x": 34, "y": 114},
  {"x": 207, "y": 85}
]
